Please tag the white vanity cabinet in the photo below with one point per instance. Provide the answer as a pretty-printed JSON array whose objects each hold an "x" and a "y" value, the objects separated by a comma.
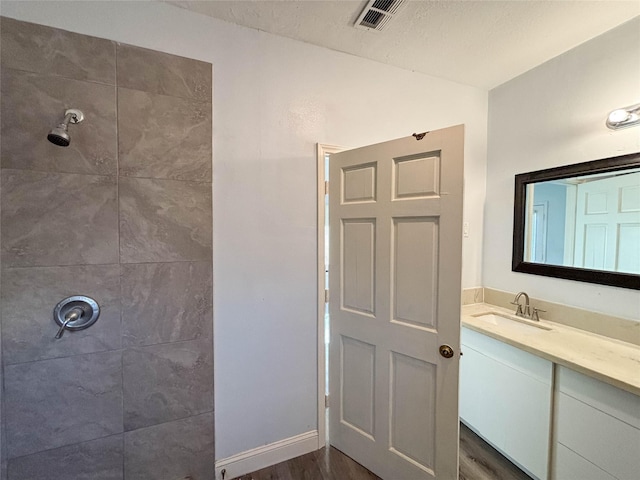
[
  {"x": 506, "y": 397},
  {"x": 597, "y": 430}
]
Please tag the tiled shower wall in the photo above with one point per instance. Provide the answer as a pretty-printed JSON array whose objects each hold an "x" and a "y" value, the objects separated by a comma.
[{"x": 122, "y": 215}]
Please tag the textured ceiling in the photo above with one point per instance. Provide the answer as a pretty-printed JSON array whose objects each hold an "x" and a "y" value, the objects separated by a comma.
[{"x": 482, "y": 43}]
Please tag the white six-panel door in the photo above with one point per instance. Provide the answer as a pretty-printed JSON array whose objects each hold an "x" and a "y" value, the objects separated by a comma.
[
  {"x": 608, "y": 224},
  {"x": 395, "y": 214}
]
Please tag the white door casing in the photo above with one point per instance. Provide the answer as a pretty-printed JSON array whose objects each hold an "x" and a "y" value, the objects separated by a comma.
[
  {"x": 539, "y": 234},
  {"x": 322, "y": 150},
  {"x": 395, "y": 213}
]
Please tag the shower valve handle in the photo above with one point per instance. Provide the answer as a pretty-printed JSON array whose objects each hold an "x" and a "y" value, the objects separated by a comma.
[
  {"x": 62, "y": 327},
  {"x": 69, "y": 317}
]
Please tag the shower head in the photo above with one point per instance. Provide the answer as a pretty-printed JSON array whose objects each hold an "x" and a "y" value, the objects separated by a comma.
[{"x": 59, "y": 135}]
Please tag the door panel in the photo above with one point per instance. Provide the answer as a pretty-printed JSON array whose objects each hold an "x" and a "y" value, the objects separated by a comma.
[
  {"x": 416, "y": 177},
  {"x": 395, "y": 265},
  {"x": 358, "y": 374},
  {"x": 414, "y": 273},
  {"x": 359, "y": 184},
  {"x": 413, "y": 384},
  {"x": 595, "y": 243},
  {"x": 358, "y": 264},
  {"x": 628, "y": 255}
]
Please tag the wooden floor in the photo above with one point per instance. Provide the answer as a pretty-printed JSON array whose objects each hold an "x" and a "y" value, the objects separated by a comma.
[{"x": 478, "y": 461}]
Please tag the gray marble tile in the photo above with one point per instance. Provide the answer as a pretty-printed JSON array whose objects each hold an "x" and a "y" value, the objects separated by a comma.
[
  {"x": 172, "y": 450},
  {"x": 166, "y": 302},
  {"x": 63, "y": 401},
  {"x": 58, "y": 219},
  {"x": 167, "y": 382},
  {"x": 3, "y": 430},
  {"x": 163, "y": 137},
  {"x": 29, "y": 296},
  {"x": 100, "y": 459},
  {"x": 32, "y": 104},
  {"x": 158, "y": 72},
  {"x": 36, "y": 48},
  {"x": 164, "y": 220}
]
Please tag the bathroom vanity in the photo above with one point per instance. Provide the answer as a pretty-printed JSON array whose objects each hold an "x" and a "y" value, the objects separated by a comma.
[{"x": 561, "y": 403}]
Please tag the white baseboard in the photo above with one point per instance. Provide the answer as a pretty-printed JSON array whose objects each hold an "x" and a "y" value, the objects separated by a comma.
[{"x": 267, "y": 455}]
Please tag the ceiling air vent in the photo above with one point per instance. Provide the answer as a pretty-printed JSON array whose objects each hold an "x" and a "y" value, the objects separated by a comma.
[{"x": 377, "y": 14}]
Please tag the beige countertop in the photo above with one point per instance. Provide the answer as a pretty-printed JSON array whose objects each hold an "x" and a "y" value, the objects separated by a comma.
[{"x": 609, "y": 360}]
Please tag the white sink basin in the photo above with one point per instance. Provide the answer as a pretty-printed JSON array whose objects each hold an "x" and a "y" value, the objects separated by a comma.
[{"x": 513, "y": 323}]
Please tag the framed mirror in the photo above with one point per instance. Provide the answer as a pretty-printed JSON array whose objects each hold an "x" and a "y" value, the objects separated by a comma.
[{"x": 580, "y": 222}]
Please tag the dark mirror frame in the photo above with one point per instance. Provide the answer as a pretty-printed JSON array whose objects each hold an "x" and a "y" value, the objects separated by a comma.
[{"x": 602, "y": 277}]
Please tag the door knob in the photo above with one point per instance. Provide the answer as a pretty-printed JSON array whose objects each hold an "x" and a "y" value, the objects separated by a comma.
[{"x": 446, "y": 351}]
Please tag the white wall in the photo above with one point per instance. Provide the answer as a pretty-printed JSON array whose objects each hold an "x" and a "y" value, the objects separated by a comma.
[
  {"x": 274, "y": 98},
  {"x": 554, "y": 115}
]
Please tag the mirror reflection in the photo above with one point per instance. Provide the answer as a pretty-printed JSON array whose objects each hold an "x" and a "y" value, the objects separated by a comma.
[{"x": 588, "y": 221}]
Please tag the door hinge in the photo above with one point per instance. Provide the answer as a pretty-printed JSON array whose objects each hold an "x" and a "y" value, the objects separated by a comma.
[
  {"x": 326, "y": 296},
  {"x": 326, "y": 401},
  {"x": 326, "y": 187}
]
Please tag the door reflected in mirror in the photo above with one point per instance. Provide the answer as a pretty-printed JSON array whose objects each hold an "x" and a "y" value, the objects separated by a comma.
[
  {"x": 588, "y": 221},
  {"x": 580, "y": 222}
]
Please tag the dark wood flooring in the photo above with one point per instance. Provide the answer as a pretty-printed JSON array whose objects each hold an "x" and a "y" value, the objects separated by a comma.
[
  {"x": 478, "y": 461},
  {"x": 325, "y": 464}
]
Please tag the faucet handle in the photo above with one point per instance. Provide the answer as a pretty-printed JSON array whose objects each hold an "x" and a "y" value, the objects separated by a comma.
[{"x": 534, "y": 314}]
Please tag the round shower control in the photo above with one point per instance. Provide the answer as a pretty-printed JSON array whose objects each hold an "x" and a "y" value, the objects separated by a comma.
[{"x": 76, "y": 313}]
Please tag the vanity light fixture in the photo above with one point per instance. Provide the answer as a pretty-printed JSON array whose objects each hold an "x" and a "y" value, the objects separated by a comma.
[{"x": 624, "y": 117}]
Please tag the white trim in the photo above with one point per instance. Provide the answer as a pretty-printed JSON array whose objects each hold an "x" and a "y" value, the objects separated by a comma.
[
  {"x": 322, "y": 150},
  {"x": 267, "y": 455}
]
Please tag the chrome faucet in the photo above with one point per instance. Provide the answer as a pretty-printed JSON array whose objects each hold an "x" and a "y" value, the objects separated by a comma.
[
  {"x": 520, "y": 312},
  {"x": 525, "y": 310}
]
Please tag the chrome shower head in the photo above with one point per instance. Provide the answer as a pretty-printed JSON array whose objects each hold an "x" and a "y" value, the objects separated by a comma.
[{"x": 59, "y": 135}]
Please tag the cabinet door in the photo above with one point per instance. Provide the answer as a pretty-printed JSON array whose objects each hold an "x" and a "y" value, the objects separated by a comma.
[
  {"x": 477, "y": 373},
  {"x": 505, "y": 397},
  {"x": 598, "y": 423},
  {"x": 571, "y": 466}
]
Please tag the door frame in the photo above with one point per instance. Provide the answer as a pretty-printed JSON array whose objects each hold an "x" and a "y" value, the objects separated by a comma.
[{"x": 322, "y": 149}]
